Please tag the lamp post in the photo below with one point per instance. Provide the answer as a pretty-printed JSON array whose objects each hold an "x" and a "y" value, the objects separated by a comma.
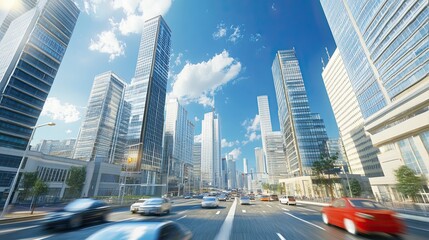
[{"x": 15, "y": 179}]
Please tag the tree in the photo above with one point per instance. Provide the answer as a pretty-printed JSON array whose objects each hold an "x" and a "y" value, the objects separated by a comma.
[
  {"x": 39, "y": 188},
  {"x": 409, "y": 184},
  {"x": 28, "y": 181},
  {"x": 325, "y": 166},
  {"x": 266, "y": 186},
  {"x": 355, "y": 188},
  {"x": 76, "y": 180}
]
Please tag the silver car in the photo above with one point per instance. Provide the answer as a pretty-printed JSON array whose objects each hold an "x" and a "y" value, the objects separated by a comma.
[
  {"x": 135, "y": 206},
  {"x": 244, "y": 200},
  {"x": 143, "y": 230},
  {"x": 212, "y": 202},
  {"x": 155, "y": 206}
]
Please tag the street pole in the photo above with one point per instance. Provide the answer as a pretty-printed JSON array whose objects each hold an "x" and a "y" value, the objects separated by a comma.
[
  {"x": 348, "y": 182},
  {"x": 15, "y": 179}
]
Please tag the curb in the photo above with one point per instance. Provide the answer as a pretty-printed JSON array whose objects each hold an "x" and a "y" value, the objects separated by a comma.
[{"x": 21, "y": 219}]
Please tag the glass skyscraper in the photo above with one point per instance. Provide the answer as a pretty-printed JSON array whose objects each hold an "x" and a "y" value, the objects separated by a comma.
[
  {"x": 384, "y": 47},
  {"x": 210, "y": 150},
  {"x": 304, "y": 133},
  {"x": 146, "y": 94},
  {"x": 102, "y": 136},
  {"x": 31, "y": 50}
]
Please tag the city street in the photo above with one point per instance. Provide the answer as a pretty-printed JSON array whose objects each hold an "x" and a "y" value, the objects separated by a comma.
[{"x": 260, "y": 220}]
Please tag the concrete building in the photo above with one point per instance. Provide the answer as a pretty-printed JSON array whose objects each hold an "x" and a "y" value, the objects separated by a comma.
[
  {"x": 276, "y": 158},
  {"x": 60, "y": 148},
  {"x": 32, "y": 48},
  {"x": 210, "y": 150}
]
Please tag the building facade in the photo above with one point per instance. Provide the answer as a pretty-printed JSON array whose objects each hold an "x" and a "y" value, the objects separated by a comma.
[
  {"x": 104, "y": 129},
  {"x": 61, "y": 148},
  {"x": 196, "y": 162},
  {"x": 146, "y": 94},
  {"x": 361, "y": 155},
  {"x": 276, "y": 158},
  {"x": 31, "y": 51},
  {"x": 304, "y": 133},
  {"x": 210, "y": 150},
  {"x": 232, "y": 172},
  {"x": 265, "y": 121}
]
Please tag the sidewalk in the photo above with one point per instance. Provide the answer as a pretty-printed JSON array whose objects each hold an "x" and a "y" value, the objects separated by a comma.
[{"x": 418, "y": 216}]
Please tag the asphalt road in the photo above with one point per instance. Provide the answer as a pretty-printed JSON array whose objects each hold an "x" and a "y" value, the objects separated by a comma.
[{"x": 260, "y": 220}]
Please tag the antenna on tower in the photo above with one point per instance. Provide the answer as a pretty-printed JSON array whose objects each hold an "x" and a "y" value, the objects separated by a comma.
[
  {"x": 327, "y": 53},
  {"x": 323, "y": 63}
]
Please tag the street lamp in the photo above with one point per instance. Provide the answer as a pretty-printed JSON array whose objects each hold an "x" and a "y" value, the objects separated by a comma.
[{"x": 15, "y": 179}]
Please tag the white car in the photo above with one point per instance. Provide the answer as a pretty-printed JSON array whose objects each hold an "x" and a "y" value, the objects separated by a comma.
[
  {"x": 210, "y": 202},
  {"x": 244, "y": 200},
  {"x": 289, "y": 200},
  {"x": 135, "y": 206}
]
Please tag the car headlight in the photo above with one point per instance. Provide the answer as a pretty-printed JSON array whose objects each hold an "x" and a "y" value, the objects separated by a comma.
[{"x": 364, "y": 215}]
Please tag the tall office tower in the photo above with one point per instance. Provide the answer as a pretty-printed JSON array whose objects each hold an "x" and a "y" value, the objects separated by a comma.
[
  {"x": 102, "y": 136},
  {"x": 178, "y": 141},
  {"x": 16, "y": 9},
  {"x": 245, "y": 172},
  {"x": 334, "y": 148},
  {"x": 146, "y": 94},
  {"x": 232, "y": 172},
  {"x": 304, "y": 133},
  {"x": 224, "y": 167},
  {"x": 276, "y": 158},
  {"x": 384, "y": 48},
  {"x": 260, "y": 163},
  {"x": 210, "y": 150},
  {"x": 61, "y": 148},
  {"x": 361, "y": 155},
  {"x": 31, "y": 52},
  {"x": 196, "y": 161},
  {"x": 265, "y": 119}
]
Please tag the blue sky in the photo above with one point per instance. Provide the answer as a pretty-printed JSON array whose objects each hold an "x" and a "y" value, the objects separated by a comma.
[{"x": 221, "y": 50}]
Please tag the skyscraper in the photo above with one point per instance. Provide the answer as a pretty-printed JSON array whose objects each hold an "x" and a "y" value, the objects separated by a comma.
[
  {"x": 102, "y": 135},
  {"x": 304, "y": 133},
  {"x": 146, "y": 94},
  {"x": 232, "y": 172},
  {"x": 196, "y": 160},
  {"x": 61, "y": 148},
  {"x": 210, "y": 150},
  {"x": 245, "y": 172},
  {"x": 265, "y": 118},
  {"x": 17, "y": 8},
  {"x": 276, "y": 158},
  {"x": 178, "y": 140},
  {"x": 260, "y": 163},
  {"x": 362, "y": 156},
  {"x": 31, "y": 51}
]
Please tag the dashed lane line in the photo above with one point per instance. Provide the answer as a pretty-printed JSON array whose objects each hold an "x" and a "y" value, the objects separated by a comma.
[
  {"x": 217, "y": 213},
  {"x": 287, "y": 210},
  {"x": 302, "y": 220},
  {"x": 244, "y": 211},
  {"x": 281, "y": 237},
  {"x": 269, "y": 206},
  {"x": 181, "y": 217}
]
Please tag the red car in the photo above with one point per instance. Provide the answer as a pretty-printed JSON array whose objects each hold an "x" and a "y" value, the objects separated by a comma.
[{"x": 358, "y": 215}]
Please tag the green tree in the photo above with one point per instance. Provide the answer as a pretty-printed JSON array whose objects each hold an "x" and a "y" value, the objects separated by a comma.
[
  {"x": 325, "y": 166},
  {"x": 409, "y": 184},
  {"x": 28, "y": 181},
  {"x": 355, "y": 188},
  {"x": 40, "y": 188},
  {"x": 266, "y": 186},
  {"x": 76, "y": 180}
]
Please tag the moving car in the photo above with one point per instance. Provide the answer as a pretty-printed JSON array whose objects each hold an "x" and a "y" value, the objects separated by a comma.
[
  {"x": 155, "y": 206},
  {"x": 222, "y": 197},
  {"x": 264, "y": 198},
  {"x": 274, "y": 197},
  {"x": 289, "y": 200},
  {"x": 210, "y": 202},
  {"x": 143, "y": 230},
  {"x": 135, "y": 206},
  {"x": 77, "y": 213},
  {"x": 245, "y": 200},
  {"x": 358, "y": 215},
  {"x": 187, "y": 197}
]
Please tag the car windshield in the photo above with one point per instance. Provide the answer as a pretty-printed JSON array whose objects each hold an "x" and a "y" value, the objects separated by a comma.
[
  {"x": 141, "y": 201},
  {"x": 153, "y": 202},
  {"x": 358, "y": 203},
  {"x": 78, "y": 205},
  {"x": 209, "y": 199}
]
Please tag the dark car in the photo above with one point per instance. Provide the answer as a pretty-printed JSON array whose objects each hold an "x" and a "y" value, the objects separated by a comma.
[
  {"x": 274, "y": 197},
  {"x": 77, "y": 213}
]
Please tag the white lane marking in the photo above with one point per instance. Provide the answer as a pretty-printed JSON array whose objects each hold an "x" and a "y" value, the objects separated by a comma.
[
  {"x": 39, "y": 238},
  {"x": 217, "y": 213},
  {"x": 182, "y": 212},
  {"x": 308, "y": 209},
  {"x": 243, "y": 211},
  {"x": 17, "y": 229},
  {"x": 225, "y": 230},
  {"x": 421, "y": 229},
  {"x": 268, "y": 205},
  {"x": 263, "y": 211},
  {"x": 300, "y": 219},
  {"x": 281, "y": 237},
  {"x": 287, "y": 210},
  {"x": 181, "y": 217}
]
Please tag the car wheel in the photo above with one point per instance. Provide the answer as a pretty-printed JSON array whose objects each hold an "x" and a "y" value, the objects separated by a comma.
[
  {"x": 104, "y": 218},
  {"x": 167, "y": 212},
  {"x": 75, "y": 222},
  {"x": 325, "y": 219},
  {"x": 350, "y": 226}
]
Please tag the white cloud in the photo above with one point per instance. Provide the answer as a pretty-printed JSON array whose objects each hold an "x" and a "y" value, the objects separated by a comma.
[
  {"x": 196, "y": 119},
  {"x": 92, "y": 6},
  {"x": 131, "y": 24},
  {"x": 255, "y": 37},
  {"x": 252, "y": 126},
  {"x": 198, "y": 138},
  {"x": 236, "y": 152},
  {"x": 68, "y": 131},
  {"x": 57, "y": 110},
  {"x": 273, "y": 7},
  {"x": 220, "y": 31},
  {"x": 199, "y": 82},
  {"x": 225, "y": 143},
  {"x": 107, "y": 42},
  {"x": 235, "y": 35},
  {"x": 178, "y": 60}
]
